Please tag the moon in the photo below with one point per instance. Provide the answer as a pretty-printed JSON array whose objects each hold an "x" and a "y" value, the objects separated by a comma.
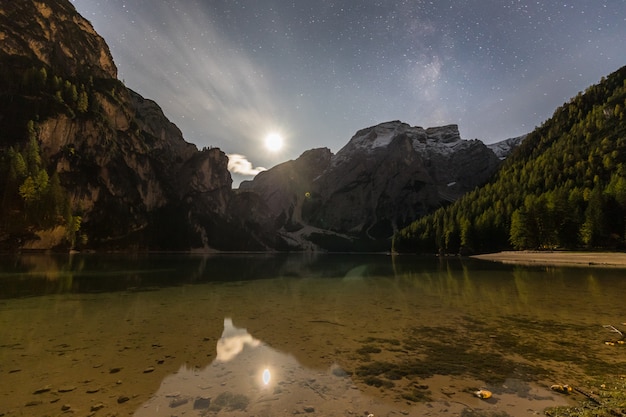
[{"x": 274, "y": 142}]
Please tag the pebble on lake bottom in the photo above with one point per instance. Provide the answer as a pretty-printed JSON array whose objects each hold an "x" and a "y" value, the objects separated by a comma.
[
  {"x": 177, "y": 402},
  {"x": 97, "y": 407},
  {"x": 47, "y": 388}
]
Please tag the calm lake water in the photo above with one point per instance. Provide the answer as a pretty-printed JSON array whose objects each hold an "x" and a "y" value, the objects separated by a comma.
[{"x": 272, "y": 335}]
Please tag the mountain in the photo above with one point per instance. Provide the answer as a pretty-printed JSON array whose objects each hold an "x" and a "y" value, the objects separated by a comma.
[
  {"x": 505, "y": 147},
  {"x": 88, "y": 163},
  {"x": 385, "y": 177},
  {"x": 563, "y": 187}
]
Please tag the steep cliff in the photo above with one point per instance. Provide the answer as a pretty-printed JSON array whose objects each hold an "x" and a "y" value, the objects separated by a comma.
[
  {"x": 125, "y": 177},
  {"x": 54, "y": 34}
]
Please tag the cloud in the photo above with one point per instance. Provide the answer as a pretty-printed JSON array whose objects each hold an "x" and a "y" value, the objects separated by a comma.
[
  {"x": 206, "y": 80},
  {"x": 233, "y": 342},
  {"x": 239, "y": 164}
]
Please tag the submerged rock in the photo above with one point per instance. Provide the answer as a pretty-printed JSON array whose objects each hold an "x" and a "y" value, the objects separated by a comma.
[
  {"x": 97, "y": 407},
  {"x": 177, "y": 402},
  {"x": 41, "y": 390},
  {"x": 201, "y": 403}
]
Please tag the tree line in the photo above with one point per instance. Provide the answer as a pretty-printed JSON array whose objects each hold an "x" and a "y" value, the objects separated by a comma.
[
  {"x": 564, "y": 187},
  {"x": 32, "y": 198}
]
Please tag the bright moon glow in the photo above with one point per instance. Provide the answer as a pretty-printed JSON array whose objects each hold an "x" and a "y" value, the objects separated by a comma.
[
  {"x": 266, "y": 376},
  {"x": 274, "y": 142}
]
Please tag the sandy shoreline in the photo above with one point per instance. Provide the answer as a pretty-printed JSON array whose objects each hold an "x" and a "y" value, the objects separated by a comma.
[{"x": 595, "y": 259}]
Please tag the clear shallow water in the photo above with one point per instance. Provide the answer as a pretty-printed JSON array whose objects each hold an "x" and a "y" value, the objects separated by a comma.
[{"x": 332, "y": 335}]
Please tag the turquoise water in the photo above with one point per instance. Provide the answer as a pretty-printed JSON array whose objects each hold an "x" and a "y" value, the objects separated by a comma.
[{"x": 167, "y": 334}]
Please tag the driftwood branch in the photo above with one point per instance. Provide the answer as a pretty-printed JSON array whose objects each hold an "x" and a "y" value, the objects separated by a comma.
[
  {"x": 613, "y": 329},
  {"x": 586, "y": 394}
]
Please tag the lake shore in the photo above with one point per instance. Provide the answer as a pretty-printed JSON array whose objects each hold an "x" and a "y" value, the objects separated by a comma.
[{"x": 595, "y": 259}]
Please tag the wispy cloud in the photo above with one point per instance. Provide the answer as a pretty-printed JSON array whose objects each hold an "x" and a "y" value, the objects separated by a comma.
[
  {"x": 239, "y": 164},
  {"x": 205, "y": 79}
]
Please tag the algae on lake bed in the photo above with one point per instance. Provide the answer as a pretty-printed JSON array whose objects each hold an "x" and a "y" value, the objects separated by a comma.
[{"x": 494, "y": 353}]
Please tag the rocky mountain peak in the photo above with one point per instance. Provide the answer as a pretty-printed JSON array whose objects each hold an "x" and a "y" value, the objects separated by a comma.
[
  {"x": 374, "y": 137},
  {"x": 437, "y": 140},
  {"x": 504, "y": 148},
  {"x": 53, "y": 33},
  {"x": 444, "y": 134}
]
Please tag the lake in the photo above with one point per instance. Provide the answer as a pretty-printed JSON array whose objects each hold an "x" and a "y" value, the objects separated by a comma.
[{"x": 283, "y": 335}]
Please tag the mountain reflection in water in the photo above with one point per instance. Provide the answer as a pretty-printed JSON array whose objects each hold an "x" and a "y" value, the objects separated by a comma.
[{"x": 249, "y": 375}]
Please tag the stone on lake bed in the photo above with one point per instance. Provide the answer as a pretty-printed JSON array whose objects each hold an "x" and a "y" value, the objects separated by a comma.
[
  {"x": 148, "y": 370},
  {"x": 41, "y": 390},
  {"x": 483, "y": 393},
  {"x": 67, "y": 388},
  {"x": 337, "y": 371},
  {"x": 201, "y": 403},
  {"x": 177, "y": 402},
  {"x": 122, "y": 399},
  {"x": 309, "y": 408},
  {"x": 66, "y": 407},
  {"x": 97, "y": 407}
]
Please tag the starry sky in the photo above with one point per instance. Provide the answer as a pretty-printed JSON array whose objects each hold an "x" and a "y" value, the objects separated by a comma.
[{"x": 230, "y": 72}]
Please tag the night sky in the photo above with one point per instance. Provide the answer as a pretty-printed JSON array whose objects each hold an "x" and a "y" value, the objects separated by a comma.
[{"x": 230, "y": 72}]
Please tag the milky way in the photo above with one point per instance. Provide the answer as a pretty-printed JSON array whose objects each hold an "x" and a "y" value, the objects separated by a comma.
[{"x": 228, "y": 72}]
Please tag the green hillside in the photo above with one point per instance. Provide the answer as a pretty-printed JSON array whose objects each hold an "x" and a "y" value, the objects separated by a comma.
[{"x": 564, "y": 187}]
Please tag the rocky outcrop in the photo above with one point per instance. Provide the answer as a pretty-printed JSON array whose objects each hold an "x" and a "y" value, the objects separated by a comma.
[
  {"x": 130, "y": 176},
  {"x": 287, "y": 186},
  {"x": 384, "y": 178},
  {"x": 53, "y": 33}
]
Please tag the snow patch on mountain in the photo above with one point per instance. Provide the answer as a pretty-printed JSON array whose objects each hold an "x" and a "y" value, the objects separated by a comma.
[
  {"x": 433, "y": 140},
  {"x": 504, "y": 148}
]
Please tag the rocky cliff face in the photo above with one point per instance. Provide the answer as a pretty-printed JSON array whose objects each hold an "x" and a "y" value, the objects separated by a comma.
[
  {"x": 384, "y": 178},
  {"x": 129, "y": 175},
  {"x": 54, "y": 34}
]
